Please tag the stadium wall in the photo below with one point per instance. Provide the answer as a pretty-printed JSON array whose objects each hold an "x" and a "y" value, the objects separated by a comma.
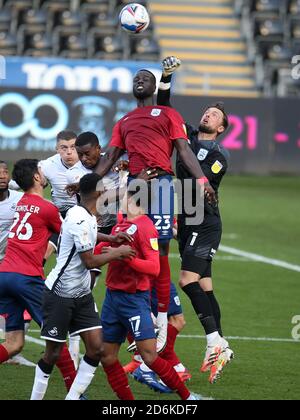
[{"x": 264, "y": 136}]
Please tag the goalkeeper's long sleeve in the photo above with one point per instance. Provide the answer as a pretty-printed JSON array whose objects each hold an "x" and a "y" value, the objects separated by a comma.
[{"x": 164, "y": 91}]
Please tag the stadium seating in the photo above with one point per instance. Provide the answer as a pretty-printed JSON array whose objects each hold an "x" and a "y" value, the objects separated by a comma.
[
  {"x": 272, "y": 31},
  {"x": 71, "y": 29}
]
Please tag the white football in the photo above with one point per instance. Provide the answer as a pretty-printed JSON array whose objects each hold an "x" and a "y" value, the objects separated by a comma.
[{"x": 134, "y": 18}]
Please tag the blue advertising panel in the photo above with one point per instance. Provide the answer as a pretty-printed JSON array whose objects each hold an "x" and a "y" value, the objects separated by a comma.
[
  {"x": 263, "y": 137},
  {"x": 73, "y": 75}
]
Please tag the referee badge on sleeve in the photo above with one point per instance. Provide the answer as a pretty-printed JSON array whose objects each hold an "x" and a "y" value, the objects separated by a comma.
[
  {"x": 217, "y": 167},
  {"x": 154, "y": 244}
]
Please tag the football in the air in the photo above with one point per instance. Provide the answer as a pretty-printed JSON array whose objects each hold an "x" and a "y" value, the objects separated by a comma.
[{"x": 134, "y": 18}]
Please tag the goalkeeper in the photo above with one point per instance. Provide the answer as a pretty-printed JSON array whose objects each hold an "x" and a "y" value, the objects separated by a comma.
[{"x": 199, "y": 244}]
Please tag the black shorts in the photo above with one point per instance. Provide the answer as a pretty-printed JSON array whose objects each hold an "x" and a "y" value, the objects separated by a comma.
[
  {"x": 198, "y": 246},
  {"x": 63, "y": 316}
]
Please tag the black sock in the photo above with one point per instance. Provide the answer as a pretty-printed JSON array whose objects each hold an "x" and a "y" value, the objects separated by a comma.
[
  {"x": 47, "y": 369},
  {"x": 202, "y": 306},
  {"x": 216, "y": 310},
  {"x": 91, "y": 362}
]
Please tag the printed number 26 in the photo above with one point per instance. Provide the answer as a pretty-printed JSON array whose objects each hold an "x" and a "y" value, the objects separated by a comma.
[{"x": 23, "y": 224}]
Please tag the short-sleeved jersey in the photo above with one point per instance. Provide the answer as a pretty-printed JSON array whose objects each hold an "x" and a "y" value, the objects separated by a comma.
[
  {"x": 70, "y": 278},
  {"x": 56, "y": 173},
  {"x": 7, "y": 211},
  {"x": 111, "y": 181},
  {"x": 120, "y": 275},
  {"x": 35, "y": 220},
  {"x": 148, "y": 135},
  {"x": 213, "y": 159}
]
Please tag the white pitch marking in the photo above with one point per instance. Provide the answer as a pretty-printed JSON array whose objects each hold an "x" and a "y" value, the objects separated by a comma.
[
  {"x": 260, "y": 258},
  {"x": 220, "y": 258},
  {"x": 40, "y": 342},
  {"x": 263, "y": 339}
]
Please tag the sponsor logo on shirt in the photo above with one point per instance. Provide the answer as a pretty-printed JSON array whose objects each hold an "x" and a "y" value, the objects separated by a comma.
[
  {"x": 154, "y": 244},
  {"x": 217, "y": 167},
  {"x": 202, "y": 154},
  {"x": 156, "y": 112},
  {"x": 132, "y": 230}
]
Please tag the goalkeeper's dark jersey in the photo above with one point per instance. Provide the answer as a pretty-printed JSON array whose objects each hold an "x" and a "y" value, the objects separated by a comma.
[{"x": 213, "y": 159}]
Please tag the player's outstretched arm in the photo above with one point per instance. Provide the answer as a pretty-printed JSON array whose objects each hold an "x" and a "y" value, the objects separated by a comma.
[
  {"x": 112, "y": 155},
  {"x": 108, "y": 254},
  {"x": 169, "y": 66},
  {"x": 191, "y": 163}
]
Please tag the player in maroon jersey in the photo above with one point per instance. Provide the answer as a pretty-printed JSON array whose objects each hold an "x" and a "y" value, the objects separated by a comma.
[
  {"x": 127, "y": 307},
  {"x": 21, "y": 271},
  {"x": 149, "y": 134}
]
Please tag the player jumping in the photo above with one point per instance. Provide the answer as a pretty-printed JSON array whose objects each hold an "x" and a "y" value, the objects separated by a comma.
[
  {"x": 199, "y": 244},
  {"x": 149, "y": 134}
]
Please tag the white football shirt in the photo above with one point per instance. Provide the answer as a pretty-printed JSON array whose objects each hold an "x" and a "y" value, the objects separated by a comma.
[
  {"x": 70, "y": 278},
  {"x": 56, "y": 173},
  {"x": 7, "y": 211},
  {"x": 111, "y": 181}
]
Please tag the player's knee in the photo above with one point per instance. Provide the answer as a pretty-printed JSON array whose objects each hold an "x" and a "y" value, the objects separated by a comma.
[
  {"x": 95, "y": 353},
  {"x": 183, "y": 281},
  {"x": 52, "y": 357},
  {"x": 178, "y": 322},
  {"x": 148, "y": 357},
  {"x": 108, "y": 359},
  {"x": 14, "y": 348}
]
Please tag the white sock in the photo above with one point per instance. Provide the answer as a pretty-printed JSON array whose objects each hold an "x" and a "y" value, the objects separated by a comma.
[
  {"x": 138, "y": 358},
  {"x": 74, "y": 349},
  {"x": 82, "y": 381},
  {"x": 179, "y": 368},
  {"x": 26, "y": 327},
  {"x": 40, "y": 384},
  {"x": 212, "y": 339},
  {"x": 145, "y": 368}
]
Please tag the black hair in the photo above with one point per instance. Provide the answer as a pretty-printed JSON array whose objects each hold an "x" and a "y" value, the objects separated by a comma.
[
  {"x": 147, "y": 71},
  {"x": 87, "y": 138},
  {"x": 2, "y": 162},
  {"x": 221, "y": 107},
  {"x": 66, "y": 135},
  {"x": 24, "y": 172},
  {"x": 88, "y": 184}
]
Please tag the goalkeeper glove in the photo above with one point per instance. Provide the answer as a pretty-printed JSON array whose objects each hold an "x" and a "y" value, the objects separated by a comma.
[{"x": 170, "y": 65}]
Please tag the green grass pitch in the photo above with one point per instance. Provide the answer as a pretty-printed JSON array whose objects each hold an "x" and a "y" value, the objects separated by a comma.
[{"x": 258, "y": 300}]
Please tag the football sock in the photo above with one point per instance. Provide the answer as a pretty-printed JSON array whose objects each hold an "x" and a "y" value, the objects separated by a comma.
[
  {"x": 216, "y": 310},
  {"x": 4, "y": 356},
  {"x": 66, "y": 366},
  {"x": 162, "y": 284},
  {"x": 169, "y": 352},
  {"x": 26, "y": 327},
  {"x": 169, "y": 376},
  {"x": 202, "y": 306},
  {"x": 84, "y": 377},
  {"x": 42, "y": 375},
  {"x": 118, "y": 381},
  {"x": 145, "y": 368},
  {"x": 74, "y": 349},
  {"x": 213, "y": 339}
]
